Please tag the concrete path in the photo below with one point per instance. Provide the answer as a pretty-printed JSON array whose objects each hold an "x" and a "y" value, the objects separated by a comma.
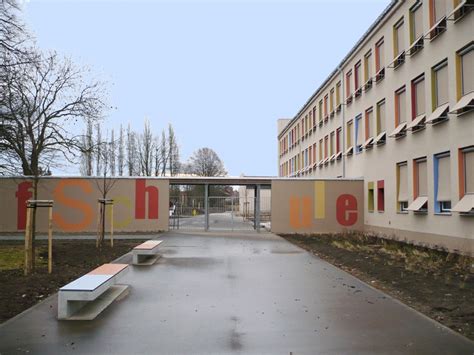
[{"x": 227, "y": 293}]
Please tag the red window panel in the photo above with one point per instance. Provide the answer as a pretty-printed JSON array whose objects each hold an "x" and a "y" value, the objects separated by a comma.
[{"x": 381, "y": 196}]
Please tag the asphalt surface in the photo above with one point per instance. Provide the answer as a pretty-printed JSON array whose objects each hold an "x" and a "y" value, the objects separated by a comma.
[{"x": 221, "y": 293}]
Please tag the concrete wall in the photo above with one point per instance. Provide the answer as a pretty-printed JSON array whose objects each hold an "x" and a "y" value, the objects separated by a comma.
[
  {"x": 317, "y": 206},
  {"x": 451, "y": 230},
  {"x": 140, "y": 204}
]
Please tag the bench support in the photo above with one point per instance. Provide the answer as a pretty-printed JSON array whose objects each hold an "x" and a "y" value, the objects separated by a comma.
[
  {"x": 71, "y": 309},
  {"x": 145, "y": 259}
]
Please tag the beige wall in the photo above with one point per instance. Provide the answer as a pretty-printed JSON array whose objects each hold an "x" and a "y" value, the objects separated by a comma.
[
  {"x": 317, "y": 206},
  {"x": 453, "y": 231},
  {"x": 75, "y": 204}
]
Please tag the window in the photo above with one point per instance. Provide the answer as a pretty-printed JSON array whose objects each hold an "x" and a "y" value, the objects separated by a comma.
[
  {"x": 349, "y": 133},
  {"x": 331, "y": 101},
  {"x": 314, "y": 117},
  {"x": 398, "y": 44},
  {"x": 466, "y": 180},
  {"x": 326, "y": 147},
  {"x": 380, "y": 196},
  {"x": 332, "y": 152},
  {"x": 417, "y": 103},
  {"x": 357, "y": 78},
  {"x": 381, "y": 124},
  {"x": 400, "y": 114},
  {"x": 461, "y": 8},
  {"x": 465, "y": 79},
  {"x": 420, "y": 182},
  {"x": 418, "y": 96},
  {"x": 398, "y": 36},
  {"x": 370, "y": 196},
  {"x": 400, "y": 106},
  {"x": 320, "y": 112},
  {"x": 437, "y": 11},
  {"x": 402, "y": 187},
  {"x": 440, "y": 84},
  {"x": 348, "y": 87},
  {"x": 416, "y": 21},
  {"x": 369, "y": 123},
  {"x": 359, "y": 134},
  {"x": 326, "y": 99},
  {"x": 379, "y": 60},
  {"x": 437, "y": 18},
  {"x": 381, "y": 116},
  {"x": 442, "y": 182},
  {"x": 368, "y": 70},
  {"x": 367, "y": 66},
  {"x": 338, "y": 140},
  {"x": 314, "y": 154},
  {"x": 320, "y": 150},
  {"x": 369, "y": 129},
  {"x": 439, "y": 93},
  {"x": 338, "y": 96}
]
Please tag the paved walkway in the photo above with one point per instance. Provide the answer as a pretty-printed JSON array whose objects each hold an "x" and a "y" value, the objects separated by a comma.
[{"x": 249, "y": 294}]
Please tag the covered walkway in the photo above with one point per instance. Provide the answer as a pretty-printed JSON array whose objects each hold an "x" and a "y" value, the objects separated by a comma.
[{"x": 236, "y": 293}]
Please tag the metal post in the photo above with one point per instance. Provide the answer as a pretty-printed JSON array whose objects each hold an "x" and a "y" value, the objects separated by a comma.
[
  {"x": 257, "y": 209},
  {"x": 232, "y": 211},
  {"x": 206, "y": 207}
]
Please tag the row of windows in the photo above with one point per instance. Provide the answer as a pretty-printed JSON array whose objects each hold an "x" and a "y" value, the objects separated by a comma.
[
  {"x": 441, "y": 178},
  {"x": 331, "y": 101},
  {"x": 370, "y": 128},
  {"x": 329, "y": 151}
]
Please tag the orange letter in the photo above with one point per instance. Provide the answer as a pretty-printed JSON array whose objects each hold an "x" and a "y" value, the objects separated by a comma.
[
  {"x": 74, "y": 204},
  {"x": 300, "y": 212}
]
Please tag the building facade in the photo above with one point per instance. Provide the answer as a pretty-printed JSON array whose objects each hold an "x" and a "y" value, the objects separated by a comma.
[{"x": 398, "y": 111}]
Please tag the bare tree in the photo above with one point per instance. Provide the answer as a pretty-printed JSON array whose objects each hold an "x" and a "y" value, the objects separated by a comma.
[
  {"x": 12, "y": 31},
  {"x": 105, "y": 184},
  {"x": 146, "y": 150},
  {"x": 206, "y": 162},
  {"x": 112, "y": 151},
  {"x": 98, "y": 151},
  {"x": 131, "y": 152},
  {"x": 43, "y": 102},
  {"x": 120, "y": 156},
  {"x": 163, "y": 153},
  {"x": 87, "y": 150},
  {"x": 173, "y": 152}
]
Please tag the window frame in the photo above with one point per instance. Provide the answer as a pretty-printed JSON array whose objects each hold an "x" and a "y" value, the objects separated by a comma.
[{"x": 439, "y": 205}]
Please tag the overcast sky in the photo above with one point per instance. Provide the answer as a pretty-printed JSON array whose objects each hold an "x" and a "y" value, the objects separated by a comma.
[{"x": 221, "y": 72}]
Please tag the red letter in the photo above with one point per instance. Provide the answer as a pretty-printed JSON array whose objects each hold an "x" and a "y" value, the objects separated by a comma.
[
  {"x": 140, "y": 191},
  {"x": 346, "y": 210},
  {"x": 23, "y": 194}
]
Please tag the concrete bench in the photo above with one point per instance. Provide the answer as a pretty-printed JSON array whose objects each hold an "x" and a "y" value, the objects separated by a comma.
[
  {"x": 146, "y": 253},
  {"x": 87, "y": 296}
]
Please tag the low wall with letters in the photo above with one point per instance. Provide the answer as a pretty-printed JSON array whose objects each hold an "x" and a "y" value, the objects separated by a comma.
[
  {"x": 140, "y": 204},
  {"x": 317, "y": 206}
]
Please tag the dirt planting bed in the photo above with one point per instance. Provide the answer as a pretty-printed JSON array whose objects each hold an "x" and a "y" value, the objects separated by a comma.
[
  {"x": 72, "y": 259},
  {"x": 437, "y": 283}
]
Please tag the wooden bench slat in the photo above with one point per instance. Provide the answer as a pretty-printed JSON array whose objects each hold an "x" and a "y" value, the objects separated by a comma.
[
  {"x": 86, "y": 283},
  {"x": 108, "y": 269},
  {"x": 149, "y": 244}
]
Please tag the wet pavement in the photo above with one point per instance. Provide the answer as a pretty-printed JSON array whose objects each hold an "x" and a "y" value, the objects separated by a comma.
[{"x": 221, "y": 293}]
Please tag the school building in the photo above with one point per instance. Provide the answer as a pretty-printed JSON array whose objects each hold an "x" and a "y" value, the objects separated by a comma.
[{"x": 398, "y": 111}]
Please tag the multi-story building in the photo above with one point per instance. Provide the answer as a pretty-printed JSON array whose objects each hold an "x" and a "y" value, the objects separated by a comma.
[{"x": 399, "y": 112}]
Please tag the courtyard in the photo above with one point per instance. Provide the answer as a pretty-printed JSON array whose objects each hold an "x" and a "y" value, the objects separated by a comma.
[{"x": 240, "y": 292}]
